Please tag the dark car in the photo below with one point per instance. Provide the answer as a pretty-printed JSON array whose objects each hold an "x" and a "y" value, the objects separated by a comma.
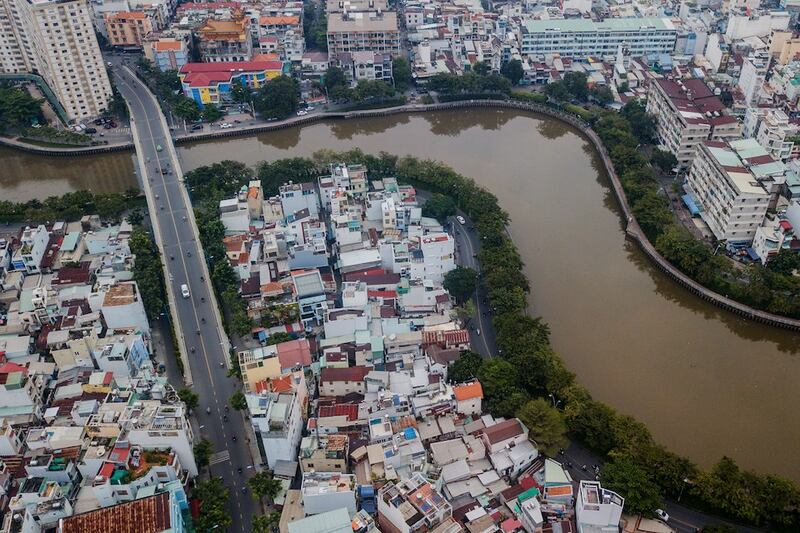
[
  {"x": 197, "y": 127},
  {"x": 90, "y": 131},
  {"x": 107, "y": 126}
]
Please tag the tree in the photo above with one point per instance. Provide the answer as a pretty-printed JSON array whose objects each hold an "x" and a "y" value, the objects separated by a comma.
[
  {"x": 202, "y": 453},
  {"x": 278, "y": 98},
  {"x": 482, "y": 68},
  {"x": 334, "y": 77},
  {"x": 264, "y": 485},
  {"x": 602, "y": 94},
  {"x": 190, "y": 398},
  {"x": 465, "y": 311},
  {"x": 664, "y": 160},
  {"x": 17, "y": 107},
  {"x": 369, "y": 89},
  {"x": 147, "y": 272},
  {"x": 401, "y": 73},
  {"x": 211, "y": 113},
  {"x": 786, "y": 262},
  {"x": 439, "y": 206},
  {"x": 465, "y": 368},
  {"x": 632, "y": 482},
  {"x": 557, "y": 91},
  {"x": 513, "y": 71},
  {"x": 238, "y": 401},
  {"x": 277, "y": 338},
  {"x": 240, "y": 93},
  {"x": 652, "y": 214},
  {"x": 213, "y": 497},
  {"x": 186, "y": 108},
  {"x": 498, "y": 378},
  {"x": 135, "y": 217},
  {"x": 642, "y": 124},
  {"x": 460, "y": 282},
  {"x": 266, "y": 523},
  {"x": 575, "y": 83},
  {"x": 546, "y": 425}
]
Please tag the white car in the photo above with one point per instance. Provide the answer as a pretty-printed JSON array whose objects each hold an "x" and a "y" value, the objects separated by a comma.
[
  {"x": 662, "y": 515},
  {"x": 302, "y": 113},
  {"x": 185, "y": 290},
  {"x": 226, "y": 125},
  {"x": 461, "y": 220}
]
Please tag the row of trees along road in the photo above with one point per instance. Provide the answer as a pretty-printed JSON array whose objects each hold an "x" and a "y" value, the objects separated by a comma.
[{"x": 521, "y": 380}]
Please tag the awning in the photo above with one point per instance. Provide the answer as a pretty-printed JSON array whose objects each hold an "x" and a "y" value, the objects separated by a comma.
[
  {"x": 689, "y": 201},
  {"x": 752, "y": 253}
]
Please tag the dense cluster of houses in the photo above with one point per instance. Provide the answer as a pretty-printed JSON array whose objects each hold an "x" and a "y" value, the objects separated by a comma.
[
  {"x": 358, "y": 399},
  {"x": 91, "y": 436}
]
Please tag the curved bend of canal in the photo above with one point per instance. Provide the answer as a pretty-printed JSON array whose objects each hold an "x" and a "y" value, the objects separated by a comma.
[{"x": 705, "y": 381}]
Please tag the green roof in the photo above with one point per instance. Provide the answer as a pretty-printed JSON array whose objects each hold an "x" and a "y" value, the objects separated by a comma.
[
  {"x": 586, "y": 25},
  {"x": 336, "y": 521},
  {"x": 70, "y": 241}
]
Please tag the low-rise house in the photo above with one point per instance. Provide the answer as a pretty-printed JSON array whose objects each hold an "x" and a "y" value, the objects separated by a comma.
[
  {"x": 596, "y": 508},
  {"x": 468, "y": 398},
  {"x": 326, "y": 453},
  {"x": 342, "y": 381},
  {"x": 325, "y": 491}
]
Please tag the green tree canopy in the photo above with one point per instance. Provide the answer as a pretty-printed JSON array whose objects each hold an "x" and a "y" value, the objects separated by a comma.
[
  {"x": 18, "y": 108},
  {"x": 642, "y": 495},
  {"x": 264, "y": 485},
  {"x": 482, "y": 68},
  {"x": 185, "y": 108},
  {"x": 202, "y": 453},
  {"x": 213, "y": 497},
  {"x": 238, "y": 401},
  {"x": 211, "y": 113},
  {"x": 664, "y": 160},
  {"x": 278, "y": 98},
  {"x": 334, "y": 77},
  {"x": 266, "y": 523},
  {"x": 498, "y": 378},
  {"x": 401, "y": 73},
  {"x": 439, "y": 206},
  {"x": 465, "y": 368},
  {"x": 190, "y": 398},
  {"x": 460, "y": 282},
  {"x": 513, "y": 71},
  {"x": 546, "y": 425}
]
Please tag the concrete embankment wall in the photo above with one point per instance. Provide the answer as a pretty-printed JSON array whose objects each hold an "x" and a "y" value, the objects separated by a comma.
[{"x": 632, "y": 227}]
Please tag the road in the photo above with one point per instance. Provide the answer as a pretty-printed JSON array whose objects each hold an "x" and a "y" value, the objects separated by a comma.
[
  {"x": 197, "y": 321},
  {"x": 467, "y": 247}
]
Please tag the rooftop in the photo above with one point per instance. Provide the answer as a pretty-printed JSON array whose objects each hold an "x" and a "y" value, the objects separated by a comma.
[
  {"x": 386, "y": 21},
  {"x": 148, "y": 515},
  {"x": 610, "y": 24}
]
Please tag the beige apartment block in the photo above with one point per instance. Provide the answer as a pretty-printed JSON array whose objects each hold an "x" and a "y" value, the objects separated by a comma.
[{"x": 56, "y": 40}]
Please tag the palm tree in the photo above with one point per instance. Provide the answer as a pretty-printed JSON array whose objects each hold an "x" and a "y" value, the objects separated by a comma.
[{"x": 263, "y": 484}]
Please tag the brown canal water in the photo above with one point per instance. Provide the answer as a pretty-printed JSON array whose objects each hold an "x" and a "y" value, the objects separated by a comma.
[{"x": 705, "y": 381}]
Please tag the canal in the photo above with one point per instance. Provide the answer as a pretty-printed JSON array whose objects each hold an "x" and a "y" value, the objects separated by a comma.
[{"x": 706, "y": 382}]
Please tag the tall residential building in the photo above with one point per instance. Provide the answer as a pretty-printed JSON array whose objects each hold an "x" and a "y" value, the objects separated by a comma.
[
  {"x": 772, "y": 129},
  {"x": 55, "y": 39},
  {"x": 723, "y": 182},
  {"x": 581, "y": 38},
  {"x": 687, "y": 113},
  {"x": 374, "y": 31},
  {"x": 128, "y": 28}
]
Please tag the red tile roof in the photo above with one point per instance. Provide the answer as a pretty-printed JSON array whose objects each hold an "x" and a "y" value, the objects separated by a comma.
[
  {"x": 468, "y": 391},
  {"x": 349, "y": 410},
  {"x": 148, "y": 515},
  {"x": 205, "y": 74},
  {"x": 353, "y": 373},
  {"x": 294, "y": 353},
  {"x": 503, "y": 431}
]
